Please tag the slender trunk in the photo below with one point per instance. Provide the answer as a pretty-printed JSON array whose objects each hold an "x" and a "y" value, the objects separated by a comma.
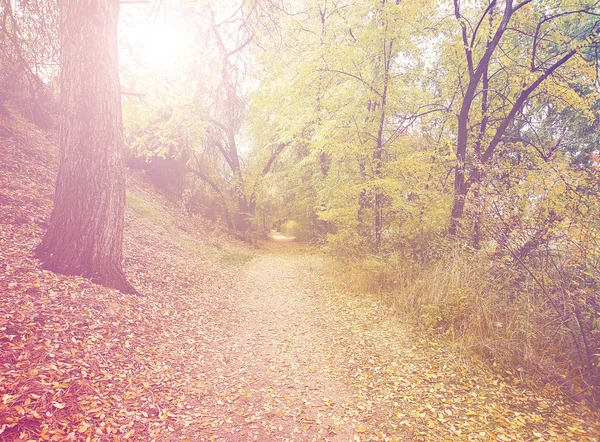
[
  {"x": 477, "y": 221},
  {"x": 242, "y": 218},
  {"x": 478, "y": 172},
  {"x": 461, "y": 185},
  {"x": 242, "y": 222},
  {"x": 324, "y": 157},
  {"x": 378, "y": 155},
  {"x": 363, "y": 203},
  {"x": 85, "y": 233},
  {"x": 204, "y": 177},
  {"x": 589, "y": 351}
]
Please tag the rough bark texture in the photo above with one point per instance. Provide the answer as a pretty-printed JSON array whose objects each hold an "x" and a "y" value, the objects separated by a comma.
[{"x": 85, "y": 233}]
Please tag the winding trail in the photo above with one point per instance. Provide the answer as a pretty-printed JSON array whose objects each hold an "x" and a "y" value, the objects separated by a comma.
[
  {"x": 303, "y": 362},
  {"x": 290, "y": 361},
  {"x": 285, "y": 352}
]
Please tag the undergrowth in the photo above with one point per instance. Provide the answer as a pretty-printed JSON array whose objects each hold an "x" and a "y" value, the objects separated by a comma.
[
  {"x": 235, "y": 258},
  {"x": 486, "y": 306}
]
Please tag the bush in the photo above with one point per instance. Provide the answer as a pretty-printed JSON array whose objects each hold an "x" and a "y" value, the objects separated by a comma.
[{"x": 493, "y": 306}]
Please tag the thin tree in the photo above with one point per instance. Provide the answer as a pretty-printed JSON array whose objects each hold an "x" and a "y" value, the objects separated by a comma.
[
  {"x": 480, "y": 132},
  {"x": 85, "y": 233},
  {"x": 226, "y": 112}
]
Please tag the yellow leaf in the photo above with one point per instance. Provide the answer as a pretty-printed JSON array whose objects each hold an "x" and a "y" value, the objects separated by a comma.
[{"x": 58, "y": 405}]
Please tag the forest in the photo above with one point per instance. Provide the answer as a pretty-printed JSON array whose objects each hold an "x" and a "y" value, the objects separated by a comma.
[{"x": 417, "y": 180}]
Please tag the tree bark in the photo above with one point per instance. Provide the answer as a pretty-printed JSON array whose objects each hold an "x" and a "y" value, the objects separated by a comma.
[
  {"x": 85, "y": 232},
  {"x": 461, "y": 187},
  {"x": 378, "y": 154}
]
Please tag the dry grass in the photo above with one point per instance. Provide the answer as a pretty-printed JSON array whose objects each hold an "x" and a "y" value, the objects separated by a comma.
[{"x": 483, "y": 307}]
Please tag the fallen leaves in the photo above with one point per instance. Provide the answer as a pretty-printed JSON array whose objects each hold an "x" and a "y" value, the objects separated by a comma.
[
  {"x": 81, "y": 361},
  {"x": 264, "y": 351}
]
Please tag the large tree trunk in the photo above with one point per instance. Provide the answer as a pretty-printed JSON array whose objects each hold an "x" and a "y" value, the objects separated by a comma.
[{"x": 85, "y": 233}]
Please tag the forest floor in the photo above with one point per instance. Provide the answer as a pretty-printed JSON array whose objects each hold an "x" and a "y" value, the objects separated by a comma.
[{"x": 225, "y": 343}]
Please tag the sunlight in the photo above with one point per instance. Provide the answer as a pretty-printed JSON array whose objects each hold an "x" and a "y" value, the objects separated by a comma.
[
  {"x": 163, "y": 46},
  {"x": 277, "y": 236},
  {"x": 160, "y": 46},
  {"x": 299, "y": 220}
]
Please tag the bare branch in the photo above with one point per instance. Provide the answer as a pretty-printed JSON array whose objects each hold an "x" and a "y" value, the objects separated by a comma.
[
  {"x": 335, "y": 71},
  {"x": 523, "y": 96}
]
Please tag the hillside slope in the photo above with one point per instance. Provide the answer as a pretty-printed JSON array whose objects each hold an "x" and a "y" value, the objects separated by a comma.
[{"x": 77, "y": 358}]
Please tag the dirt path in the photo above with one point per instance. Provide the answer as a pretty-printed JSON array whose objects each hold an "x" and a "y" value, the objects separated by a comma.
[
  {"x": 303, "y": 362},
  {"x": 284, "y": 353}
]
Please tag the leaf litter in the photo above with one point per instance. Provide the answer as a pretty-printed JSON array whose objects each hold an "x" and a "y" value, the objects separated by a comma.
[{"x": 263, "y": 350}]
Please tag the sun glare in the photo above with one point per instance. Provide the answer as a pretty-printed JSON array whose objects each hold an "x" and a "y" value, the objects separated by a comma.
[
  {"x": 160, "y": 46},
  {"x": 163, "y": 47}
]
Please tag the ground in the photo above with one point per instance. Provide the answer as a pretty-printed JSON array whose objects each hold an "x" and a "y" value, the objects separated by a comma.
[{"x": 226, "y": 343}]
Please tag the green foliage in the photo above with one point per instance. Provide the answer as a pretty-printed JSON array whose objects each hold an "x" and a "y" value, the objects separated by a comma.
[
  {"x": 366, "y": 123},
  {"x": 163, "y": 126}
]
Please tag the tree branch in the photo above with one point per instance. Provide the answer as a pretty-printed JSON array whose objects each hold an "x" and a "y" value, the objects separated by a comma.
[
  {"x": 273, "y": 157},
  {"x": 335, "y": 71},
  {"x": 519, "y": 104},
  {"x": 465, "y": 38}
]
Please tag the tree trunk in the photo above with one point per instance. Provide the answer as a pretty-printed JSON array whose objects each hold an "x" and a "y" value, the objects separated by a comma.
[
  {"x": 85, "y": 233},
  {"x": 461, "y": 187},
  {"x": 245, "y": 211},
  {"x": 378, "y": 154},
  {"x": 477, "y": 219}
]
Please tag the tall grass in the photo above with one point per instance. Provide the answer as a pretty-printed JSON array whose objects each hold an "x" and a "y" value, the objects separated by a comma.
[{"x": 487, "y": 305}]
